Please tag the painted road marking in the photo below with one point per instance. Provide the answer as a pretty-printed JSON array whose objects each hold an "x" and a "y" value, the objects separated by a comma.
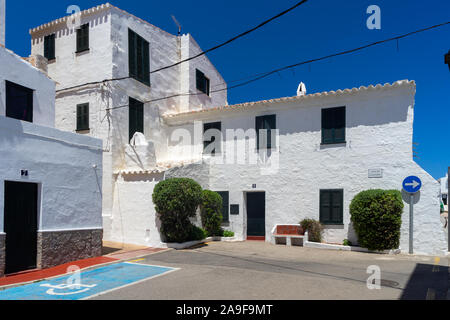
[{"x": 94, "y": 282}]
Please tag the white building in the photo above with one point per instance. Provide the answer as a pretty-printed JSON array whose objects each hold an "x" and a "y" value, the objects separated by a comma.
[
  {"x": 444, "y": 190},
  {"x": 50, "y": 191},
  {"x": 330, "y": 145}
]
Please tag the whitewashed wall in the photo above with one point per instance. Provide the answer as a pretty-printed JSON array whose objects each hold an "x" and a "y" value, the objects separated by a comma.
[
  {"x": 62, "y": 164},
  {"x": 198, "y": 100},
  {"x": 379, "y": 136},
  {"x": 14, "y": 69},
  {"x": 2, "y": 21},
  {"x": 71, "y": 68}
]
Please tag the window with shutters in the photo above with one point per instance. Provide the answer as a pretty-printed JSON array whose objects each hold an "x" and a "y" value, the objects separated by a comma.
[
  {"x": 212, "y": 138},
  {"x": 139, "y": 57},
  {"x": 19, "y": 102},
  {"x": 203, "y": 83},
  {"x": 333, "y": 125},
  {"x": 83, "y": 38},
  {"x": 332, "y": 207},
  {"x": 265, "y": 132},
  {"x": 49, "y": 47},
  {"x": 83, "y": 117},
  {"x": 225, "y": 206},
  {"x": 136, "y": 117}
]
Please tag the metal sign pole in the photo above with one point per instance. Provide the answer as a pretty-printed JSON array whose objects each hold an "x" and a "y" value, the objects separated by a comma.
[
  {"x": 448, "y": 205},
  {"x": 411, "y": 224}
]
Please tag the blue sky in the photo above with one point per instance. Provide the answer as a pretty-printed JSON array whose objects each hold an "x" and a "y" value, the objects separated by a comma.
[{"x": 318, "y": 28}]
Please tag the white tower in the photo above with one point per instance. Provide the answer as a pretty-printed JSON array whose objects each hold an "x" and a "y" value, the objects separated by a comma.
[{"x": 2, "y": 21}]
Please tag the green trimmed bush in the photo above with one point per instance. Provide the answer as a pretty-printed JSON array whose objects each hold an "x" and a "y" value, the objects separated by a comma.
[
  {"x": 228, "y": 234},
  {"x": 176, "y": 200},
  {"x": 314, "y": 229},
  {"x": 211, "y": 213},
  {"x": 377, "y": 218}
]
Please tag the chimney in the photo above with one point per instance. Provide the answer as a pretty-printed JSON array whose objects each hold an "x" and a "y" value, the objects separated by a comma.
[
  {"x": 301, "y": 91},
  {"x": 2, "y": 22},
  {"x": 38, "y": 61}
]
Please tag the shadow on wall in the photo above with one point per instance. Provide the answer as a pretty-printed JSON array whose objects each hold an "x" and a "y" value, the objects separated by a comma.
[
  {"x": 427, "y": 282},
  {"x": 11, "y": 130},
  {"x": 365, "y": 113}
]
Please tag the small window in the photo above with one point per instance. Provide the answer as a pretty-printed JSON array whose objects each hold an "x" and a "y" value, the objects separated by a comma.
[
  {"x": 136, "y": 117},
  {"x": 139, "y": 57},
  {"x": 332, "y": 207},
  {"x": 49, "y": 47},
  {"x": 212, "y": 138},
  {"x": 225, "y": 206},
  {"x": 83, "y": 117},
  {"x": 19, "y": 102},
  {"x": 265, "y": 130},
  {"x": 333, "y": 125},
  {"x": 203, "y": 83},
  {"x": 83, "y": 38}
]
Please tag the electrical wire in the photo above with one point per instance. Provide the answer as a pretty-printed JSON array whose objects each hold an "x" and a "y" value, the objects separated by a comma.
[
  {"x": 234, "y": 38},
  {"x": 261, "y": 76},
  {"x": 203, "y": 52}
]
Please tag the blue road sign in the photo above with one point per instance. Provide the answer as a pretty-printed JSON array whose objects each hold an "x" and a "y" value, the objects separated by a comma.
[
  {"x": 412, "y": 184},
  {"x": 92, "y": 282}
]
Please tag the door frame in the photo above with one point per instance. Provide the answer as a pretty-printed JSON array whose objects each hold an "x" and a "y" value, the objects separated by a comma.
[{"x": 246, "y": 214}]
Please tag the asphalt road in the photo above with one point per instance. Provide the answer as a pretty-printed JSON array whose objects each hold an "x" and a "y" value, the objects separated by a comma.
[{"x": 261, "y": 271}]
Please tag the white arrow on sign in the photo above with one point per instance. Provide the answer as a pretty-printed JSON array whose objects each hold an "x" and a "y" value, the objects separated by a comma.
[{"x": 413, "y": 184}]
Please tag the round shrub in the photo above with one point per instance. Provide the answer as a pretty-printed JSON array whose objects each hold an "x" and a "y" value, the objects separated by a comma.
[
  {"x": 211, "y": 213},
  {"x": 176, "y": 200},
  {"x": 314, "y": 229},
  {"x": 377, "y": 218}
]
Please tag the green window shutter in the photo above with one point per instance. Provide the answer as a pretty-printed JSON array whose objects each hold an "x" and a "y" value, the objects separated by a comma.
[
  {"x": 83, "y": 117},
  {"x": 333, "y": 125},
  {"x": 337, "y": 206},
  {"x": 139, "y": 57},
  {"x": 331, "y": 206},
  {"x": 146, "y": 63},
  {"x": 83, "y": 38},
  {"x": 49, "y": 47},
  {"x": 206, "y": 143},
  {"x": 202, "y": 82},
  {"x": 136, "y": 117},
  {"x": 132, "y": 53},
  {"x": 268, "y": 123},
  {"x": 339, "y": 125},
  {"x": 225, "y": 205}
]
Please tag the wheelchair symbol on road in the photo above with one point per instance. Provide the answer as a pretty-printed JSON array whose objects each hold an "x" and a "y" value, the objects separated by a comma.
[{"x": 80, "y": 288}]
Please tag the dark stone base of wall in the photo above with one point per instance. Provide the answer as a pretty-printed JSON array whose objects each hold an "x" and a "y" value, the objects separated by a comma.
[
  {"x": 2, "y": 254},
  {"x": 59, "y": 247}
]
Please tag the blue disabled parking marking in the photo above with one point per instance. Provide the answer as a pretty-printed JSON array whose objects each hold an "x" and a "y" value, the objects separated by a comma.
[{"x": 92, "y": 282}]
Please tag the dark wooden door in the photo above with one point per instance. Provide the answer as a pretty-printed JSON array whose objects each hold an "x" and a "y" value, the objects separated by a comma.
[
  {"x": 20, "y": 223},
  {"x": 256, "y": 214}
]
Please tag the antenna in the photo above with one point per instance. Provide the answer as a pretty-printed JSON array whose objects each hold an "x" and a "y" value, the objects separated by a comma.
[{"x": 177, "y": 23}]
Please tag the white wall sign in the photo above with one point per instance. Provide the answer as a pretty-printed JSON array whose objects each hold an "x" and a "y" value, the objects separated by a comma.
[{"x": 375, "y": 173}]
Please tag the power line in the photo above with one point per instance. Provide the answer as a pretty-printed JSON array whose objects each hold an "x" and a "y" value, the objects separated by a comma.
[
  {"x": 203, "y": 52},
  {"x": 261, "y": 76},
  {"x": 234, "y": 38}
]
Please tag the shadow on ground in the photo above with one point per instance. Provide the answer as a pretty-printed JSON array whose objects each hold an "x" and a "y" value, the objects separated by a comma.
[
  {"x": 109, "y": 250},
  {"x": 427, "y": 282}
]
